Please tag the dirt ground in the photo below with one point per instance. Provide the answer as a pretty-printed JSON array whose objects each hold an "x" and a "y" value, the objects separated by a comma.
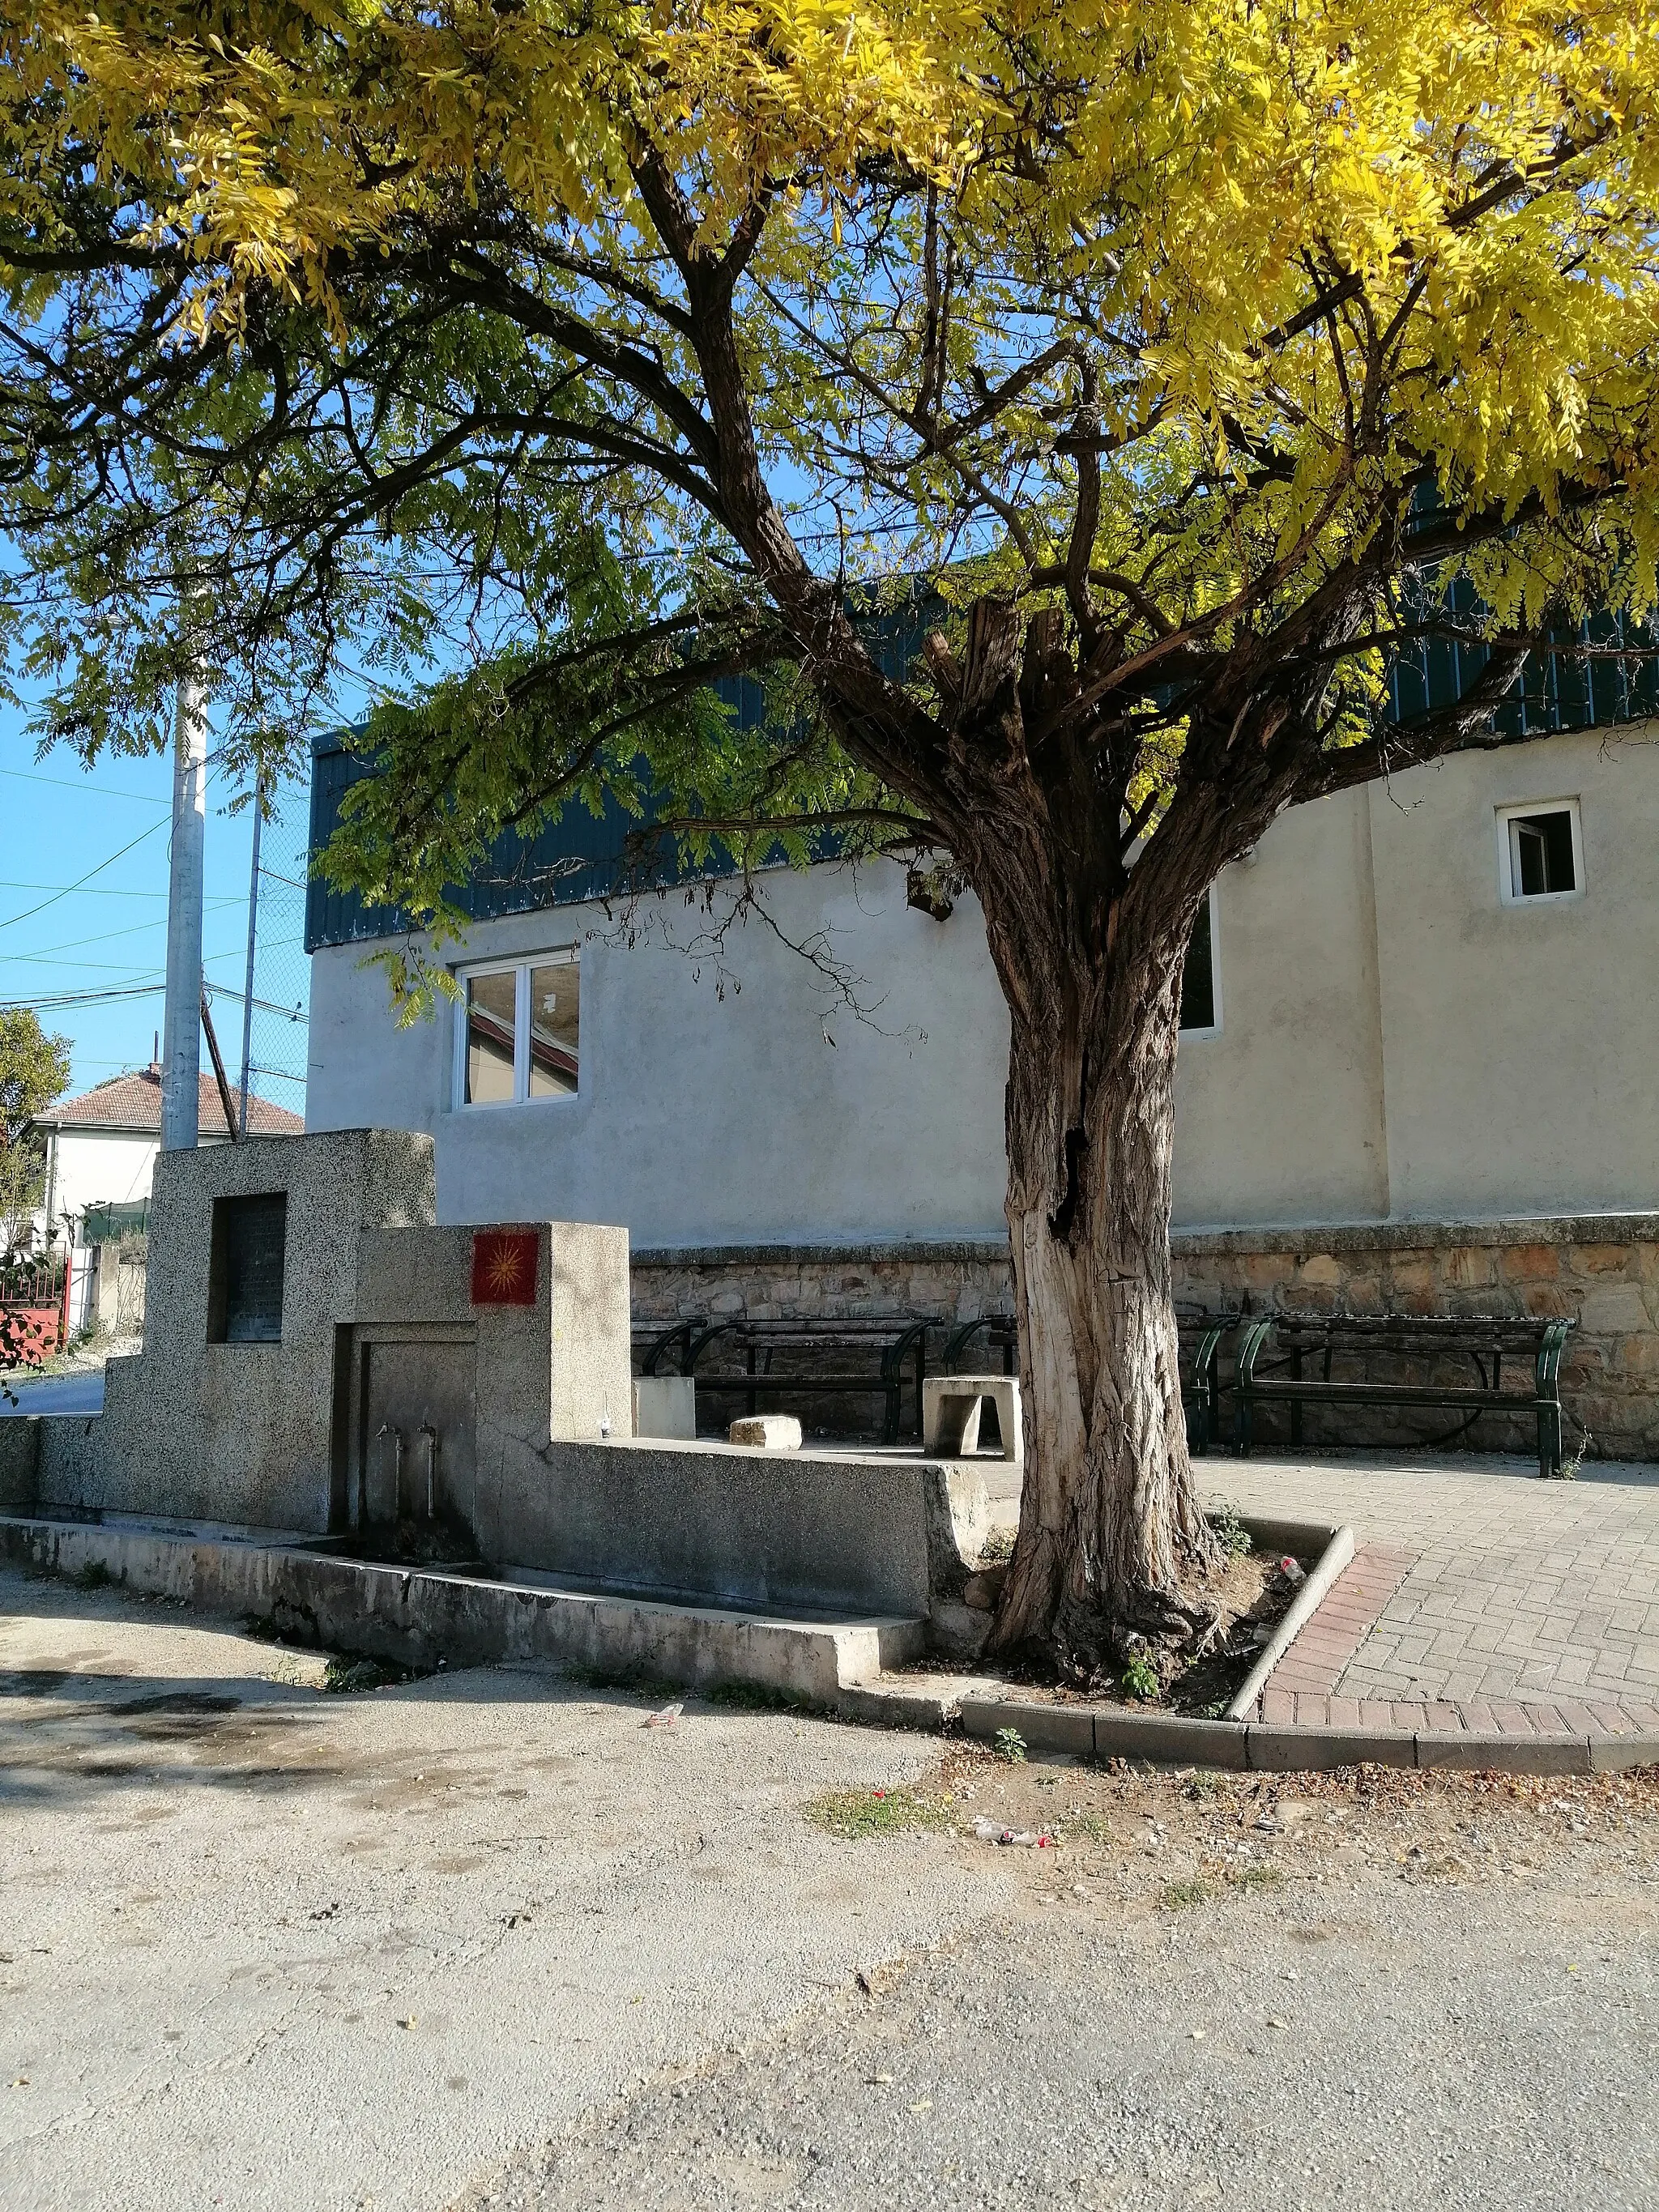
[
  {"x": 1158, "y": 1835},
  {"x": 489, "y": 1940},
  {"x": 1374, "y": 1990}
]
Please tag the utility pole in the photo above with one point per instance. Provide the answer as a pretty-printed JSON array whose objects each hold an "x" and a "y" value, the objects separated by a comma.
[
  {"x": 181, "y": 1040},
  {"x": 252, "y": 931}
]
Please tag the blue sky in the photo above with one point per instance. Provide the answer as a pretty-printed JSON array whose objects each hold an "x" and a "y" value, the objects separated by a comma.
[{"x": 80, "y": 914}]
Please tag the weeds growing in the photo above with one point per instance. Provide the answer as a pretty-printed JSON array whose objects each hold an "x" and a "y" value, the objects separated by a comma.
[
  {"x": 854, "y": 1814},
  {"x": 1181, "y": 1896},
  {"x": 346, "y": 1677}
]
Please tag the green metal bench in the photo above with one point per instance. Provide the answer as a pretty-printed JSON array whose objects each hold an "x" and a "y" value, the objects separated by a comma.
[
  {"x": 1201, "y": 1335},
  {"x": 900, "y": 1339},
  {"x": 1001, "y": 1336},
  {"x": 1483, "y": 1341}
]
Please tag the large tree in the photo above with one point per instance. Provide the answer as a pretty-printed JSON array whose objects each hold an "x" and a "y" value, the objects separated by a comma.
[
  {"x": 34, "y": 1071},
  {"x": 545, "y": 361}
]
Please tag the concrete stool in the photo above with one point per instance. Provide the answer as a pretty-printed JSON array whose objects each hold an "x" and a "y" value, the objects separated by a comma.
[
  {"x": 950, "y": 1415},
  {"x": 665, "y": 1405}
]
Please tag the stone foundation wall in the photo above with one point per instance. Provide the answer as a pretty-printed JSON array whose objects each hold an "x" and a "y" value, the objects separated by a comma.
[
  {"x": 1602, "y": 1270},
  {"x": 808, "y": 1282}
]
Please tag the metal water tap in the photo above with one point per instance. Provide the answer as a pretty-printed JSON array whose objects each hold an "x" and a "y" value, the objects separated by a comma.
[
  {"x": 386, "y": 1429},
  {"x": 430, "y": 1434}
]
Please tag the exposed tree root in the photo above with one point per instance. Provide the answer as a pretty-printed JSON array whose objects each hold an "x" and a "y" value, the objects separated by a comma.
[{"x": 1093, "y": 1642}]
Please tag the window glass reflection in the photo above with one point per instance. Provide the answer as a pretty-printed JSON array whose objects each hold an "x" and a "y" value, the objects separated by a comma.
[
  {"x": 555, "y": 1021},
  {"x": 490, "y": 1016}
]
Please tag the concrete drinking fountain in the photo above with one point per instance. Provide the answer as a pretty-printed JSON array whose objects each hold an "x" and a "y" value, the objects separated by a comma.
[{"x": 334, "y": 1381}]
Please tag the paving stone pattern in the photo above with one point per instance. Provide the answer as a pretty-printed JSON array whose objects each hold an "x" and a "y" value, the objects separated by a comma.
[{"x": 1480, "y": 1598}]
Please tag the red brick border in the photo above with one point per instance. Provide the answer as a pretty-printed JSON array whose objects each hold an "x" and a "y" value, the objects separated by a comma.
[
  {"x": 1472, "y": 1716},
  {"x": 1347, "y": 1614},
  {"x": 1300, "y": 1692}
]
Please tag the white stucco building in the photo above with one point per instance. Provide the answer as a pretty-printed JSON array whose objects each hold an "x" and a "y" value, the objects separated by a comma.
[
  {"x": 102, "y": 1147},
  {"x": 1431, "y": 1000}
]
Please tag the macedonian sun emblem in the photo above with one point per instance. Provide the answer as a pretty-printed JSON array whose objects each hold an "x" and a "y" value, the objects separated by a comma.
[{"x": 504, "y": 1269}]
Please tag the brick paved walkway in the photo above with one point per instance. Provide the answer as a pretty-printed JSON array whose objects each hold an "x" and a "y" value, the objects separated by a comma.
[{"x": 1480, "y": 1598}]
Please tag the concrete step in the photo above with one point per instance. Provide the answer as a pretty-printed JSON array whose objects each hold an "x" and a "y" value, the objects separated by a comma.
[{"x": 419, "y": 1615}]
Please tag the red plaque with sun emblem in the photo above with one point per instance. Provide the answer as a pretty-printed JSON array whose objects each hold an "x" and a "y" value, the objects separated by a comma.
[{"x": 504, "y": 1267}]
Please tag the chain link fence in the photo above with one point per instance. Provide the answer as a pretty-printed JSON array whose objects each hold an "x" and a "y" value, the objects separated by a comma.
[
  {"x": 282, "y": 972},
  {"x": 279, "y": 1030}
]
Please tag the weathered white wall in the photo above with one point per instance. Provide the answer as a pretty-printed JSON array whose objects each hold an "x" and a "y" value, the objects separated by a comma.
[
  {"x": 1521, "y": 1048},
  {"x": 712, "y": 1104},
  {"x": 99, "y": 1167},
  {"x": 1394, "y": 1040},
  {"x": 1280, "y": 1118},
  {"x": 102, "y": 1167}
]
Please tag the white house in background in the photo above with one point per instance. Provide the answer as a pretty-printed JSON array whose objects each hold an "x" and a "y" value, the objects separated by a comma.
[
  {"x": 102, "y": 1147},
  {"x": 1432, "y": 998}
]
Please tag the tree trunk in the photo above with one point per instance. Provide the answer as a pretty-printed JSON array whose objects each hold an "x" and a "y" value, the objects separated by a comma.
[{"x": 1113, "y": 1544}]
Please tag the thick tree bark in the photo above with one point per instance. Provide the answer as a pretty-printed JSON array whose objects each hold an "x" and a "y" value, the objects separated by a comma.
[{"x": 1113, "y": 1542}]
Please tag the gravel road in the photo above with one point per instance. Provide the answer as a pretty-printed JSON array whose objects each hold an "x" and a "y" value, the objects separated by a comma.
[
  {"x": 282, "y": 1951},
  {"x": 487, "y": 1941},
  {"x": 1388, "y": 1992},
  {"x": 1389, "y": 2050}
]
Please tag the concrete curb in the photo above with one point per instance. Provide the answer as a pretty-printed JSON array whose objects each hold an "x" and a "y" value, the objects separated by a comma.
[
  {"x": 1332, "y": 1560},
  {"x": 418, "y": 1615},
  {"x": 1170, "y": 1738}
]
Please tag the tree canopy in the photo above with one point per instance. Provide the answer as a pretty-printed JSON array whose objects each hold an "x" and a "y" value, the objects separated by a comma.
[
  {"x": 35, "y": 1070},
  {"x": 536, "y": 363}
]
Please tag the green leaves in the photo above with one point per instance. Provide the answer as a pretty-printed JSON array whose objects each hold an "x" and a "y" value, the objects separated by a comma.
[{"x": 35, "y": 1070}]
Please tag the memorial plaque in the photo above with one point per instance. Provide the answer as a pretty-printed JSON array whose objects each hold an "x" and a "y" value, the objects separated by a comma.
[{"x": 251, "y": 1237}]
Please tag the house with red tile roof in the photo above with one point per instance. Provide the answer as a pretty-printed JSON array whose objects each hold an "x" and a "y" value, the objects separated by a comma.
[{"x": 102, "y": 1147}]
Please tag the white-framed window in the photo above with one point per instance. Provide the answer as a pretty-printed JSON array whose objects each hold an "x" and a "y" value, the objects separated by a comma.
[
  {"x": 1540, "y": 852},
  {"x": 1201, "y": 979},
  {"x": 518, "y": 1031}
]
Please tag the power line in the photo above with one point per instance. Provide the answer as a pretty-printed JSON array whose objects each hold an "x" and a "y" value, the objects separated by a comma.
[
  {"x": 294, "y": 1013},
  {"x": 213, "y": 759},
  {"x": 11, "y": 883},
  {"x": 52, "y": 960},
  {"x": 54, "y": 1001},
  {"x": 102, "y": 936},
  {"x": 29, "y": 912},
  {"x": 99, "y": 790}
]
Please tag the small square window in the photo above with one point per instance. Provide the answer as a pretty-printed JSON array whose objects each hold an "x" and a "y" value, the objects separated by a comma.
[
  {"x": 1540, "y": 853},
  {"x": 1200, "y": 980},
  {"x": 245, "y": 1269},
  {"x": 518, "y": 1036}
]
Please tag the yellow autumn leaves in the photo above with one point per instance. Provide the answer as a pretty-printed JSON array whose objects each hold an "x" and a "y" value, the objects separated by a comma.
[
  {"x": 282, "y": 125},
  {"x": 1195, "y": 171}
]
